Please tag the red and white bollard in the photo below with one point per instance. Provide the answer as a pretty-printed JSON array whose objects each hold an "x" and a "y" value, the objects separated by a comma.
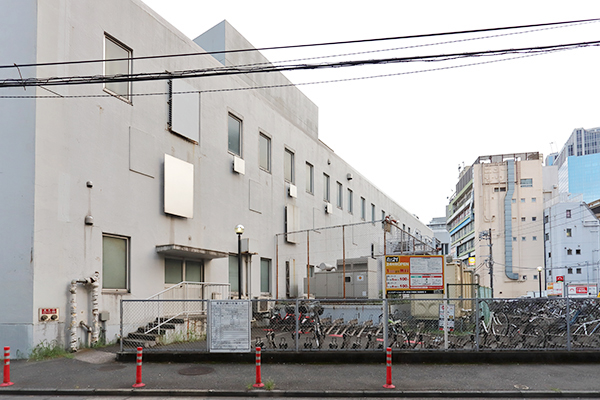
[
  {"x": 138, "y": 372},
  {"x": 258, "y": 383},
  {"x": 388, "y": 375},
  {"x": 6, "y": 381}
]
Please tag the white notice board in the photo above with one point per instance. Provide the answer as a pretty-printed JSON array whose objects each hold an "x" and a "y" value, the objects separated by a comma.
[{"x": 229, "y": 326}]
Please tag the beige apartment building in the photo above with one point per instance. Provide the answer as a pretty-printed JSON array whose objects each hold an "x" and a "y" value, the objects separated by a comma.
[{"x": 495, "y": 221}]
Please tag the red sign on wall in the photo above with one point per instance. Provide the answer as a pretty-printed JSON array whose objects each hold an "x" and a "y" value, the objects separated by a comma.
[{"x": 560, "y": 279}]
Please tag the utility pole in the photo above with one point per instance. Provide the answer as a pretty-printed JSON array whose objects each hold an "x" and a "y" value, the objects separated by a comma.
[{"x": 488, "y": 235}]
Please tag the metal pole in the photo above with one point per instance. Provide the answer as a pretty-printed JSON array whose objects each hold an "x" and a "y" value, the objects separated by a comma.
[
  {"x": 239, "y": 265},
  {"x": 540, "y": 282},
  {"x": 276, "y": 266},
  {"x": 308, "y": 263},
  {"x": 344, "y": 259}
]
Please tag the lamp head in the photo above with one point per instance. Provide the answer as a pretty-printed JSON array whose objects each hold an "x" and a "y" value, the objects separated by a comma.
[
  {"x": 239, "y": 229},
  {"x": 539, "y": 268}
]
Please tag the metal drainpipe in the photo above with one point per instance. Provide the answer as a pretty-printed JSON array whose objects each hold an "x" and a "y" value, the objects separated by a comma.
[
  {"x": 73, "y": 326},
  {"x": 95, "y": 312}
]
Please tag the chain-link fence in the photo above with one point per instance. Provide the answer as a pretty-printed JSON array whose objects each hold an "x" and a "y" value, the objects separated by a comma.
[
  {"x": 342, "y": 261},
  {"x": 460, "y": 324}
]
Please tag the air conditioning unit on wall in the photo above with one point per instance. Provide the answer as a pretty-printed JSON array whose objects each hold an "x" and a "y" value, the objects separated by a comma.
[
  {"x": 328, "y": 208},
  {"x": 239, "y": 165}
]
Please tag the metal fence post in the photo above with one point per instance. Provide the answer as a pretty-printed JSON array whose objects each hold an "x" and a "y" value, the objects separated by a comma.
[
  {"x": 385, "y": 323},
  {"x": 297, "y": 317},
  {"x": 476, "y": 324},
  {"x": 567, "y": 317},
  {"x": 121, "y": 327}
]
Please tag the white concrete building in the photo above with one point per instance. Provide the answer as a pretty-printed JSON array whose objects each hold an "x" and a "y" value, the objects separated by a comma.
[
  {"x": 502, "y": 195},
  {"x": 147, "y": 189}
]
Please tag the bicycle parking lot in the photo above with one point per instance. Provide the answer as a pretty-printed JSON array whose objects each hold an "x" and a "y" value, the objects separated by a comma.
[{"x": 367, "y": 325}]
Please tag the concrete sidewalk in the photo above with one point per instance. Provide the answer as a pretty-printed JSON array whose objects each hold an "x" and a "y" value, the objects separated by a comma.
[{"x": 96, "y": 372}]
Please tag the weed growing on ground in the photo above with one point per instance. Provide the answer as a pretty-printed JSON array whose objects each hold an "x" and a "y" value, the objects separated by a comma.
[
  {"x": 48, "y": 350},
  {"x": 269, "y": 384}
]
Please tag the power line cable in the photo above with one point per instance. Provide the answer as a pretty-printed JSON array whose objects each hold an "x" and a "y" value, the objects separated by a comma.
[
  {"x": 234, "y": 70},
  {"x": 298, "y": 45},
  {"x": 270, "y": 86}
]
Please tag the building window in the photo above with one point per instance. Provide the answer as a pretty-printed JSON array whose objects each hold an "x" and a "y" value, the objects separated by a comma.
[
  {"x": 326, "y": 189},
  {"x": 578, "y": 270},
  {"x": 550, "y": 255},
  {"x": 535, "y": 277},
  {"x": 545, "y": 219},
  {"x": 569, "y": 270},
  {"x": 177, "y": 271},
  {"x": 578, "y": 251},
  {"x": 234, "y": 135},
  {"x": 569, "y": 252},
  {"x": 264, "y": 152},
  {"x": 534, "y": 218},
  {"x": 372, "y": 212},
  {"x": 340, "y": 195},
  {"x": 527, "y": 182},
  {"x": 534, "y": 238},
  {"x": 113, "y": 49},
  {"x": 522, "y": 200},
  {"x": 534, "y": 199},
  {"x": 547, "y": 236},
  {"x": 523, "y": 238},
  {"x": 288, "y": 166},
  {"x": 350, "y": 201},
  {"x": 503, "y": 189},
  {"x": 513, "y": 201},
  {"x": 523, "y": 219},
  {"x": 568, "y": 213},
  {"x": 514, "y": 238},
  {"x": 265, "y": 275},
  {"x": 568, "y": 232},
  {"x": 310, "y": 178},
  {"x": 115, "y": 262},
  {"x": 382, "y": 215},
  {"x": 496, "y": 189},
  {"x": 233, "y": 274},
  {"x": 363, "y": 208}
]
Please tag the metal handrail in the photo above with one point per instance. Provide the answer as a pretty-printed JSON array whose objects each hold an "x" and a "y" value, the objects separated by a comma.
[{"x": 185, "y": 283}]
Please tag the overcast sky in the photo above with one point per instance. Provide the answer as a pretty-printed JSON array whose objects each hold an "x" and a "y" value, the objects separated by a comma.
[{"x": 408, "y": 133}]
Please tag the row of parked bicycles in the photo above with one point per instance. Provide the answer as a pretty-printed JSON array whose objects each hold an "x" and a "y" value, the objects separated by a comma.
[{"x": 502, "y": 324}]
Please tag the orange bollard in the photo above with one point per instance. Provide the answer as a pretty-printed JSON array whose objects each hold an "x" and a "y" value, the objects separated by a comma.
[
  {"x": 6, "y": 381},
  {"x": 258, "y": 383},
  {"x": 388, "y": 362},
  {"x": 138, "y": 372}
]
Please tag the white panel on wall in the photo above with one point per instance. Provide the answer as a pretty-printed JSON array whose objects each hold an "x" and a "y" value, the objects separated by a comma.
[
  {"x": 292, "y": 219},
  {"x": 255, "y": 196},
  {"x": 179, "y": 187},
  {"x": 185, "y": 111}
]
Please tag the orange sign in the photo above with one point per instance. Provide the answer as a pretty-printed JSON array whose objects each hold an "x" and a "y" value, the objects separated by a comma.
[{"x": 414, "y": 274}]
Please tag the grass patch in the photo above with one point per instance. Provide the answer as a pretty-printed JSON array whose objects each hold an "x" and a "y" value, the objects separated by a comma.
[{"x": 48, "y": 350}]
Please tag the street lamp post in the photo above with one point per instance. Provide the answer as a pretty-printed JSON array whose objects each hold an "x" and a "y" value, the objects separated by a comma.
[
  {"x": 239, "y": 230},
  {"x": 540, "y": 279}
]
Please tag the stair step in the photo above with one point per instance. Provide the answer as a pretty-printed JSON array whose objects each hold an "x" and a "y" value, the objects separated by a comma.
[
  {"x": 138, "y": 343},
  {"x": 142, "y": 336},
  {"x": 162, "y": 327},
  {"x": 171, "y": 321}
]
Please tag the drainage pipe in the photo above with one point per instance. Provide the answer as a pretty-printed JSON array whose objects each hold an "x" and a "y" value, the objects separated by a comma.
[{"x": 95, "y": 330}]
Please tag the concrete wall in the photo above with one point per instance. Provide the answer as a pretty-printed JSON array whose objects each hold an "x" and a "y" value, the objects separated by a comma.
[
  {"x": 119, "y": 147},
  {"x": 18, "y": 44}
]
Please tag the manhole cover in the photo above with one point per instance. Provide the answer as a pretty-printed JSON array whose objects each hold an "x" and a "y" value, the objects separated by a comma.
[
  {"x": 195, "y": 371},
  {"x": 112, "y": 367}
]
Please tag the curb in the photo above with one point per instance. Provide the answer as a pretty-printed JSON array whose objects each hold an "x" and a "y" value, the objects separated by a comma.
[{"x": 307, "y": 393}]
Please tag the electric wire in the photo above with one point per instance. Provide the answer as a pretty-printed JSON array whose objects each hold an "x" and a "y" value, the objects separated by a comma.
[
  {"x": 273, "y": 86},
  {"x": 299, "y": 45},
  {"x": 234, "y": 70}
]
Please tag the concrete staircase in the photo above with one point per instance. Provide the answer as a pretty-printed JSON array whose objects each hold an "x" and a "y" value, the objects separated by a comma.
[{"x": 155, "y": 336}]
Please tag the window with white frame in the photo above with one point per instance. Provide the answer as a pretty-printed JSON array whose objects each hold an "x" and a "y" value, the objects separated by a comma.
[
  {"x": 179, "y": 270},
  {"x": 310, "y": 178},
  {"x": 340, "y": 195},
  {"x": 264, "y": 152},
  {"x": 372, "y": 212},
  {"x": 350, "y": 201},
  {"x": 234, "y": 135},
  {"x": 363, "y": 208},
  {"x": 265, "y": 275},
  {"x": 526, "y": 182},
  {"x": 115, "y": 263},
  {"x": 115, "y": 50},
  {"x": 326, "y": 188},
  {"x": 288, "y": 166},
  {"x": 233, "y": 274}
]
